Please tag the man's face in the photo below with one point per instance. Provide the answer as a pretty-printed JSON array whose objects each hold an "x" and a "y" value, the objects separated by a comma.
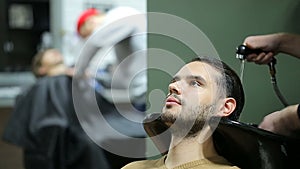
[
  {"x": 192, "y": 95},
  {"x": 51, "y": 59}
]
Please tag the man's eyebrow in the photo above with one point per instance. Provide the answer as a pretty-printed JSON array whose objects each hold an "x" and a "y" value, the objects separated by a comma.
[
  {"x": 175, "y": 78},
  {"x": 199, "y": 78}
]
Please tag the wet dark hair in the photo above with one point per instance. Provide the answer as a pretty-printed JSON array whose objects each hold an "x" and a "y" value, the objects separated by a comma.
[{"x": 232, "y": 82}]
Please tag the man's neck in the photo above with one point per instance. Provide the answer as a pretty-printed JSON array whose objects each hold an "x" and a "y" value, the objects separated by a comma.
[{"x": 187, "y": 150}]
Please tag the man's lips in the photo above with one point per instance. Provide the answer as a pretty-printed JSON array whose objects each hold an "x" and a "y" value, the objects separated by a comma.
[{"x": 172, "y": 100}]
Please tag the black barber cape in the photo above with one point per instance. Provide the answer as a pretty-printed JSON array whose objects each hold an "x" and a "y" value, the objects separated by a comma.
[{"x": 45, "y": 125}]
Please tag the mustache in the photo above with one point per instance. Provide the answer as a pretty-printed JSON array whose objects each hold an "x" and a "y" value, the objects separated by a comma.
[{"x": 176, "y": 97}]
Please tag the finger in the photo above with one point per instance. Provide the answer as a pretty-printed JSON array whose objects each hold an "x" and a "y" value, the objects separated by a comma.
[
  {"x": 248, "y": 43},
  {"x": 259, "y": 59},
  {"x": 251, "y": 57},
  {"x": 270, "y": 55},
  {"x": 266, "y": 59}
]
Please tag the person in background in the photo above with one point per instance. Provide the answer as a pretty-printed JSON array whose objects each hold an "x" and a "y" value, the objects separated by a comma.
[
  {"x": 201, "y": 89},
  {"x": 49, "y": 62},
  {"x": 46, "y": 63},
  {"x": 110, "y": 79},
  {"x": 286, "y": 121},
  {"x": 115, "y": 41},
  {"x": 44, "y": 124},
  {"x": 88, "y": 21}
]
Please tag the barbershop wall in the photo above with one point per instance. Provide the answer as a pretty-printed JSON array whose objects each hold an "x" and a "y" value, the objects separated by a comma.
[{"x": 226, "y": 24}]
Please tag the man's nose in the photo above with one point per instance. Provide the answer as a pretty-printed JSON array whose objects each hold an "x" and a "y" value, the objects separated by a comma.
[{"x": 174, "y": 88}]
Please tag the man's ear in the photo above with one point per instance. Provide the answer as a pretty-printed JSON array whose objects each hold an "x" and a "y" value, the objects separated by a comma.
[{"x": 227, "y": 107}]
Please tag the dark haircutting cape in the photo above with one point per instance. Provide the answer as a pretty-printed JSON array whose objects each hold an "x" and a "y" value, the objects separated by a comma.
[{"x": 44, "y": 124}]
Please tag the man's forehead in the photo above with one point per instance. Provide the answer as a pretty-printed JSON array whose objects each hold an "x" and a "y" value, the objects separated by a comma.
[{"x": 196, "y": 68}]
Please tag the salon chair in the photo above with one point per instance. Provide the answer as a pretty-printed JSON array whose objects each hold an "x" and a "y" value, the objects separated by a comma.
[
  {"x": 244, "y": 145},
  {"x": 45, "y": 125}
]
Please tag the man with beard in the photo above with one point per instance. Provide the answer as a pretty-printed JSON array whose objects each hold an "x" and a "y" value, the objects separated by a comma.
[{"x": 204, "y": 88}]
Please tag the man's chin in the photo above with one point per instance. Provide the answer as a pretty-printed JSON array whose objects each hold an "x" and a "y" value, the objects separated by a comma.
[
  {"x": 171, "y": 109},
  {"x": 168, "y": 118}
]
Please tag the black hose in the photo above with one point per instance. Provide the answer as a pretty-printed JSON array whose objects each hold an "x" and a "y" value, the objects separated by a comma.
[
  {"x": 278, "y": 93},
  {"x": 274, "y": 82}
]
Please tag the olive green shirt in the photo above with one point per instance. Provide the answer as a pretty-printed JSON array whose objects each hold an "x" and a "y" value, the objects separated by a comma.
[{"x": 216, "y": 162}]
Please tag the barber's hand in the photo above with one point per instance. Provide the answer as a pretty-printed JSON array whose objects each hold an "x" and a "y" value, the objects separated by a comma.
[
  {"x": 70, "y": 71},
  {"x": 284, "y": 122},
  {"x": 267, "y": 43}
]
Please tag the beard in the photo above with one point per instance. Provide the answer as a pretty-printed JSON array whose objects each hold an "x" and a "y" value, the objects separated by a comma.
[{"x": 188, "y": 122}]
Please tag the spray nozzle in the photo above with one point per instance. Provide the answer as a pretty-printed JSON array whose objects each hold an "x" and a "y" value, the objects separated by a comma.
[{"x": 242, "y": 51}]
